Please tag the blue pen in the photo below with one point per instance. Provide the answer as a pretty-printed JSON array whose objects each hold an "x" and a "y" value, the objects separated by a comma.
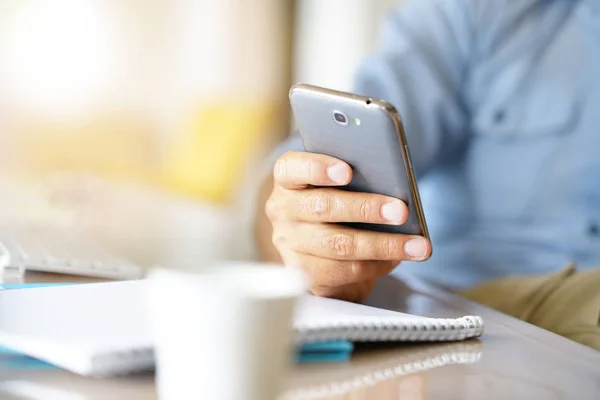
[{"x": 325, "y": 352}]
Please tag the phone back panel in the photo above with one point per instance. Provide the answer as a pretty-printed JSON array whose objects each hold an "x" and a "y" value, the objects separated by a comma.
[{"x": 372, "y": 143}]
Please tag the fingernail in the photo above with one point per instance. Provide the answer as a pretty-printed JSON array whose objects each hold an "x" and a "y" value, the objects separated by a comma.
[
  {"x": 393, "y": 212},
  {"x": 416, "y": 248},
  {"x": 338, "y": 173}
]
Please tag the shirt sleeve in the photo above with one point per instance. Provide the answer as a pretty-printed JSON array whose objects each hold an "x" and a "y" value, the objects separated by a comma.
[{"x": 419, "y": 66}]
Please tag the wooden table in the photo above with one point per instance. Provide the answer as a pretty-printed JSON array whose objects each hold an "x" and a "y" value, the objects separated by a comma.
[{"x": 513, "y": 360}]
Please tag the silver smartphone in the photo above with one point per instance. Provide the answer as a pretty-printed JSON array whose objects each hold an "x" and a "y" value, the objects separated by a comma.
[{"x": 366, "y": 133}]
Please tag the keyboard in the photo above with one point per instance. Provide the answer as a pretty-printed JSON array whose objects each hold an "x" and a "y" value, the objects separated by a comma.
[{"x": 45, "y": 249}]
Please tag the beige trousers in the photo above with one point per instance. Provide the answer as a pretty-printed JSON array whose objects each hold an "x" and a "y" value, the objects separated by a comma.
[{"x": 566, "y": 303}]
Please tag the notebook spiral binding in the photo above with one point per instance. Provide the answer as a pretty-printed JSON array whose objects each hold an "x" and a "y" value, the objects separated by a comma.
[
  {"x": 363, "y": 330},
  {"x": 426, "y": 360},
  {"x": 390, "y": 329},
  {"x": 122, "y": 362}
]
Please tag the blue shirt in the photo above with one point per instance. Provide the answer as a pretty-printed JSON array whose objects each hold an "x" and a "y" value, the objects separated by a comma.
[{"x": 501, "y": 104}]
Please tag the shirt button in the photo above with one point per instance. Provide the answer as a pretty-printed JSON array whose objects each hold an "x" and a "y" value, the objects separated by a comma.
[
  {"x": 593, "y": 229},
  {"x": 499, "y": 116}
]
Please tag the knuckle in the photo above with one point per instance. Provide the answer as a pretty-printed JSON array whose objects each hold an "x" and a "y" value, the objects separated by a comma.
[
  {"x": 319, "y": 204},
  {"x": 313, "y": 169},
  {"x": 272, "y": 208},
  {"x": 389, "y": 248},
  {"x": 280, "y": 170},
  {"x": 278, "y": 238},
  {"x": 342, "y": 244},
  {"x": 367, "y": 208}
]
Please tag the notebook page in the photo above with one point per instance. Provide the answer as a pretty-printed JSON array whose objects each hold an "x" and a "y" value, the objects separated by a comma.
[
  {"x": 88, "y": 316},
  {"x": 312, "y": 308}
]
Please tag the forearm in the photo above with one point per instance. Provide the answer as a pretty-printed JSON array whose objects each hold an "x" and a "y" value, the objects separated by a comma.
[{"x": 263, "y": 230}]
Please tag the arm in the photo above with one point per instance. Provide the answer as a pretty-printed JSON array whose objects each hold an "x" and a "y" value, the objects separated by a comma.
[{"x": 419, "y": 67}]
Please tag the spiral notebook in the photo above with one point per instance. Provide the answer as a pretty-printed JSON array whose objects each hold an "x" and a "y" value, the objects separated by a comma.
[
  {"x": 319, "y": 319},
  {"x": 101, "y": 329}
]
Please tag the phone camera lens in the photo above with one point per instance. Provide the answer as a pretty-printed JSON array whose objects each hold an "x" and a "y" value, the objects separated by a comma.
[{"x": 340, "y": 118}]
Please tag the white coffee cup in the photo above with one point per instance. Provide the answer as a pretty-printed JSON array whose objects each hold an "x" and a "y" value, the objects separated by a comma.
[{"x": 224, "y": 332}]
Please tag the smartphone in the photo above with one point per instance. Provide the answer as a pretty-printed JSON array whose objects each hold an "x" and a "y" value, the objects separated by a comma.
[{"x": 368, "y": 134}]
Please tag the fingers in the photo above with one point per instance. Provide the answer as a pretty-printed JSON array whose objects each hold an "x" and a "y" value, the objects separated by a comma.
[
  {"x": 331, "y": 205},
  {"x": 341, "y": 243},
  {"x": 342, "y": 262},
  {"x": 326, "y": 273},
  {"x": 297, "y": 170},
  {"x": 355, "y": 292}
]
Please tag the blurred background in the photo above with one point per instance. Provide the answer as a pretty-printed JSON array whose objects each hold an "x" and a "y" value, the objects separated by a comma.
[{"x": 148, "y": 123}]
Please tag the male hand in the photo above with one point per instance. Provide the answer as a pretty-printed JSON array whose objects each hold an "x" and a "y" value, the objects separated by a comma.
[{"x": 341, "y": 262}]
